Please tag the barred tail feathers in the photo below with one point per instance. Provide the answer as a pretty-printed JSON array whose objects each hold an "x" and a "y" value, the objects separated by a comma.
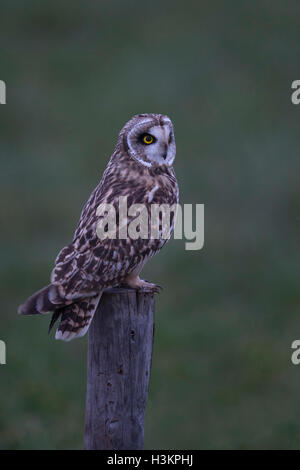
[
  {"x": 75, "y": 318},
  {"x": 44, "y": 301}
]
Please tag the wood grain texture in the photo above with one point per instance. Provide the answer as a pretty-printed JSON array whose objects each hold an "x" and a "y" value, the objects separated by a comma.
[{"x": 119, "y": 361}]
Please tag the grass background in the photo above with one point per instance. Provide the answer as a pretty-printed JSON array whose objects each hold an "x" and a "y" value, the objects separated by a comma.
[{"x": 75, "y": 73}]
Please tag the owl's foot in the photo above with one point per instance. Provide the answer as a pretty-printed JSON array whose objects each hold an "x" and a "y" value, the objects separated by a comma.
[
  {"x": 149, "y": 286},
  {"x": 135, "y": 282}
]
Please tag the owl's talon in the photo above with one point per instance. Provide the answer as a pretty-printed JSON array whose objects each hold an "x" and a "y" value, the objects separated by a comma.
[
  {"x": 154, "y": 287},
  {"x": 142, "y": 285},
  {"x": 149, "y": 287}
]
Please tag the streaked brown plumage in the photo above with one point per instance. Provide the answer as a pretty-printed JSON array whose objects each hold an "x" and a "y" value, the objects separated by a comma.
[{"x": 88, "y": 265}]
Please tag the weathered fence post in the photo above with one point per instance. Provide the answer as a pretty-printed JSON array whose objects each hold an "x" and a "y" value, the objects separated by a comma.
[{"x": 119, "y": 360}]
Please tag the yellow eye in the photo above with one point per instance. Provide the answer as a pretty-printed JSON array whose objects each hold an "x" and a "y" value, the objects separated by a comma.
[{"x": 148, "y": 139}]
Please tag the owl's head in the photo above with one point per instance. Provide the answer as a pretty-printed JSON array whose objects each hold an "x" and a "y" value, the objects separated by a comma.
[{"x": 149, "y": 139}]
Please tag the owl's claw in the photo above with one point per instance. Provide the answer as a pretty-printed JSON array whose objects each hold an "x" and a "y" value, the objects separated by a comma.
[
  {"x": 149, "y": 286},
  {"x": 143, "y": 285}
]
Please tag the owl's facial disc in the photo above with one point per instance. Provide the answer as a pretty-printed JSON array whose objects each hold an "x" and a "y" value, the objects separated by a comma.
[
  {"x": 157, "y": 143},
  {"x": 153, "y": 144}
]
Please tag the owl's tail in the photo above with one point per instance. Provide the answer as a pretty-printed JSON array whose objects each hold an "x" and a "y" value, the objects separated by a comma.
[
  {"x": 45, "y": 300},
  {"x": 76, "y": 318}
]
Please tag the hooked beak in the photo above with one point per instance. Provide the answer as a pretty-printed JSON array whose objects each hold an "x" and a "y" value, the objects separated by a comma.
[{"x": 165, "y": 151}]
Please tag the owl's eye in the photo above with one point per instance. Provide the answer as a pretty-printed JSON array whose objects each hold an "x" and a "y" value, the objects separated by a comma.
[{"x": 148, "y": 139}]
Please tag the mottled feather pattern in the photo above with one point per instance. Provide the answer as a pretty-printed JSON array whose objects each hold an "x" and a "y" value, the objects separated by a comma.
[
  {"x": 75, "y": 318},
  {"x": 88, "y": 265}
]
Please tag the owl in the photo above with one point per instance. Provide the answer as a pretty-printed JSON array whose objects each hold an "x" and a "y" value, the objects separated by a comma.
[{"x": 141, "y": 170}]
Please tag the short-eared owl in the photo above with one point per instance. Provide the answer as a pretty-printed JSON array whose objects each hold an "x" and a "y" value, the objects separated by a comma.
[{"x": 140, "y": 168}]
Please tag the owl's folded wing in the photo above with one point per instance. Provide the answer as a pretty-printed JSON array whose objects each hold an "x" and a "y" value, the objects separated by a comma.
[{"x": 90, "y": 264}]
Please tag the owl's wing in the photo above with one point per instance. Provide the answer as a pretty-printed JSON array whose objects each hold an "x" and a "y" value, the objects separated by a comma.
[{"x": 89, "y": 263}]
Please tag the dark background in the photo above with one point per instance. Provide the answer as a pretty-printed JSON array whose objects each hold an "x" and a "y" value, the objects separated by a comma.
[{"x": 75, "y": 73}]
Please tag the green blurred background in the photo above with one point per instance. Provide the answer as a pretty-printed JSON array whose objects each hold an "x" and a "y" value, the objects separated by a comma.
[{"x": 76, "y": 71}]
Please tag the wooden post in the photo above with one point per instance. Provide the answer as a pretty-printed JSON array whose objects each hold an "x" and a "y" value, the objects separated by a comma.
[{"x": 119, "y": 361}]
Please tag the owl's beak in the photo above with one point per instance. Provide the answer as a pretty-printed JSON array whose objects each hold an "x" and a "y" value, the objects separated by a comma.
[{"x": 165, "y": 151}]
